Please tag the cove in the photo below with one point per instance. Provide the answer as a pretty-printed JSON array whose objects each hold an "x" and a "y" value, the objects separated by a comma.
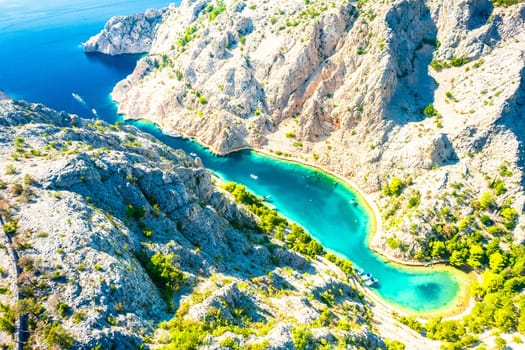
[
  {"x": 321, "y": 204},
  {"x": 46, "y": 64}
]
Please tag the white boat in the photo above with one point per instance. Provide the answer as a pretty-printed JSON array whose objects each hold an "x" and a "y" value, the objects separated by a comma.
[
  {"x": 253, "y": 176},
  {"x": 78, "y": 98},
  {"x": 366, "y": 276},
  {"x": 353, "y": 202},
  {"x": 193, "y": 154},
  {"x": 371, "y": 281},
  {"x": 265, "y": 198},
  {"x": 94, "y": 111}
]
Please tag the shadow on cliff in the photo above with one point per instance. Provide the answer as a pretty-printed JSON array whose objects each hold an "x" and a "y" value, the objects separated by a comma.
[
  {"x": 513, "y": 119},
  {"x": 479, "y": 14},
  {"x": 123, "y": 64},
  {"x": 412, "y": 51}
]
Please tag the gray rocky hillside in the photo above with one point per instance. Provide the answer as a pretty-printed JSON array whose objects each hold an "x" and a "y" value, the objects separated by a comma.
[
  {"x": 106, "y": 232},
  {"x": 425, "y": 94}
]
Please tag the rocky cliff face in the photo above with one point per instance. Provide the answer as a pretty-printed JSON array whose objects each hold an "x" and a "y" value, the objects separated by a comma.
[
  {"x": 126, "y": 34},
  {"x": 345, "y": 85},
  {"x": 96, "y": 218}
]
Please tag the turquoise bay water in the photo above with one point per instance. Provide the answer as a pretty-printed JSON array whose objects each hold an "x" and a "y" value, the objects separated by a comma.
[{"x": 43, "y": 62}]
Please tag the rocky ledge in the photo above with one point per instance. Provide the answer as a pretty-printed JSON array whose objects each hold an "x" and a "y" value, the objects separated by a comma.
[{"x": 126, "y": 34}]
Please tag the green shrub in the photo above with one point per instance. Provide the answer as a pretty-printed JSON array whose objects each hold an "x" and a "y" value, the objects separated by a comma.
[
  {"x": 458, "y": 61},
  {"x": 498, "y": 186},
  {"x": 63, "y": 309},
  {"x": 429, "y": 111},
  {"x": 189, "y": 35},
  {"x": 147, "y": 232},
  {"x": 506, "y": 2},
  {"x": 10, "y": 227},
  {"x": 56, "y": 336},
  {"x": 301, "y": 242},
  {"x": 509, "y": 216},
  {"x": 414, "y": 201},
  {"x": 163, "y": 272},
  {"x": 135, "y": 212},
  {"x": 302, "y": 337},
  {"x": 202, "y": 100},
  {"x": 10, "y": 169},
  {"x": 394, "y": 243},
  {"x": 214, "y": 11},
  {"x": 230, "y": 343},
  {"x": 7, "y": 320},
  {"x": 487, "y": 201},
  {"x": 79, "y": 316},
  {"x": 394, "y": 345},
  {"x": 394, "y": 188}
]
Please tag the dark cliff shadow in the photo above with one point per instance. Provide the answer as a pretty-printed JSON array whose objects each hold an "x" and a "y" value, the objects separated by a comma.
[
  {"x": 123, "y": 64},
  {"x": 411, "y": 53},
  {"x": 513, "y": 119},
  {"x": 479, "y": 13}
]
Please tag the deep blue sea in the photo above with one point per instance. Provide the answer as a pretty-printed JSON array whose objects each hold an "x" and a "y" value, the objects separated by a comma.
[{"x": 41, "y": 60}]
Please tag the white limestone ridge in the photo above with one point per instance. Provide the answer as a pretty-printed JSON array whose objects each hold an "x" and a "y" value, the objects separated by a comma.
[
  {"x": 343, "y": 85},
  {"x": 126, "y": 34}
]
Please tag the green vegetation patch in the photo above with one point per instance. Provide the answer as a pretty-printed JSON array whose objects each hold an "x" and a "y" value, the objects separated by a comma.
[
  {"x": 215, "y": 10},
  {"x": 189, "y": 35}
]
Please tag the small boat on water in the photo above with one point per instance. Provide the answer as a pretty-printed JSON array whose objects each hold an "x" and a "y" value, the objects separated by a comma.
[
  {"x": 359, "y": 272},
  {"x": 193, "y": 154},
  {"x": 94, "y": 111},
  {"x": 353, "y": 202},
  {"x": 371, "y": 281},
  {"x": 78, "y": 98},
  {"x": 366, "y": 276},
  {"x": 265, "y": 198},
  {"x": 253, "y": 176}
]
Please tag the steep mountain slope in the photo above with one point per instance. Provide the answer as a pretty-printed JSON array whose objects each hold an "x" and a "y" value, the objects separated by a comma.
[
  {"x": 107, "y": 232},
  {"x": 427, "y": 93}
]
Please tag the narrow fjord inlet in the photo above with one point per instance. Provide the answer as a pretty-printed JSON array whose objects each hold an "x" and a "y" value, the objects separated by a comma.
[
  {"x": 262, "y": 175},
  {"x": 318, "y": 202}
]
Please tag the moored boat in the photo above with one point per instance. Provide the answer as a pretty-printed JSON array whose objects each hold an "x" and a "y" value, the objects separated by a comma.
[
  {"x": 366, "y": 276},
  {"x": 371, "y": 281}
]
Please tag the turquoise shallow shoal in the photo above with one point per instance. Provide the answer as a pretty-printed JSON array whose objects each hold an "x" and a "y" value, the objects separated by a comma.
[{"x": 43, "y": 62}]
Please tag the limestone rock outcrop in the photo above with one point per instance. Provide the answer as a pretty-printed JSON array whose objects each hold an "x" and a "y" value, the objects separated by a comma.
[{"x": 126, "y": 34}]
